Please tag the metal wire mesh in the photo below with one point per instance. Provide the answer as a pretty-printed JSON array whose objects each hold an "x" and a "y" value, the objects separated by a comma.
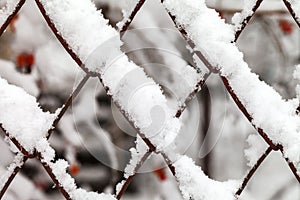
[{"x": 26, "y": 155}]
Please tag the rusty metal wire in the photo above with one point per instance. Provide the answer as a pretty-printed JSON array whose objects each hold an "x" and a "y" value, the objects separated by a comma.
[{"x": 152, "y": 149}]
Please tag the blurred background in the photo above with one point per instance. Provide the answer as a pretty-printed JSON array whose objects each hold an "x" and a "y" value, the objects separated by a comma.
[{"x": 94, "y": 137}]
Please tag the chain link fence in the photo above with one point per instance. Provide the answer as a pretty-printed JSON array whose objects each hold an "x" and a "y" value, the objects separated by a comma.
[{"x": 23, "y": 156}]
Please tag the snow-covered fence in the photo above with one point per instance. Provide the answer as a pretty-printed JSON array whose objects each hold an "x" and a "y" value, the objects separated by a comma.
[{"x": 210, "y": 38}]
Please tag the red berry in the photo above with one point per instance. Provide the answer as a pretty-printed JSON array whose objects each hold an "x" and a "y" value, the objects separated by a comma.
[
  {"x": 25, "y": 60},
  {"x": 21, "y": 60},
  {"x": 74, "y": 169},
  {"x": 30, "y": 59},
  {"x": 285, "y": 26},
  {"x": 161, "y": 174}
]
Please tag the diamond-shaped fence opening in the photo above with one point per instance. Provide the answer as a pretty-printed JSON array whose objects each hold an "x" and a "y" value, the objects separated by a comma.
[{"x": 95, "y": 47}]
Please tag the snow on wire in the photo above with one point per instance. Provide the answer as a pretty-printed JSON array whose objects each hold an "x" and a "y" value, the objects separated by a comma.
[
  {"x": 140, "y": 99},
  {"x": 268, "y": 110},
  {"x": 233, "y": 70},
  {"x": 210, "y": 35},
  {"x": 5, "y": 12},
  {"x": 24, "y": 119}
]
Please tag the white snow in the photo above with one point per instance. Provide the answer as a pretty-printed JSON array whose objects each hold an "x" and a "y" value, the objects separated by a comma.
[
  {"x": 28, "y": 82},
  {"x": 98, "y": 44},
  {"x": 7, "y": 7},
  {"x": 194, "y": 184},
  {"x": 44, "y": 148},
  {"x": 119, "y": 186},
  {"x": 81, "y": 194},
  {"x": 267, "y": 5},
  {"x": 202, "y": 24},
  {"x": 142, "y": 100},
  {"x": 134, "y": 96},
  {"x": 59, "y": 169},
  {"x": 127, "y": 8},
  {"x": 268, "y": 109},
  {"x": 191, "y": 79},
  {"x": 257, "y": 148},
  {"x": 238, "y": 18},
  {"x": 18, "y": 161},
  {"x": 21, "y": 187},
  {"x": 83, "y": 27},
  {"x": 175, "y": 73},
  {"x": 136, "y": 155},
  {"x": 296, "y": 7},
  {"x": 22, "y": 117}
]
